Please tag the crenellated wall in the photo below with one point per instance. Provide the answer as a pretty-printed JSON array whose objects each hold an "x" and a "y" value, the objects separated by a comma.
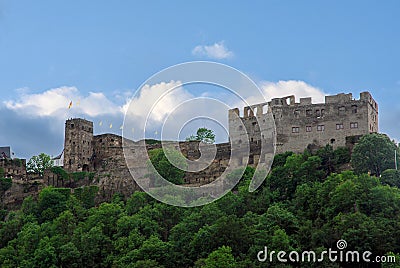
[{"x": 300, "y": 124}]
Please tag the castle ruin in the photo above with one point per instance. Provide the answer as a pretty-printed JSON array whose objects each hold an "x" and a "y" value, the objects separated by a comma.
[
  {"x": 298, "y": 126},
  {"x": 339, "y": 122}
]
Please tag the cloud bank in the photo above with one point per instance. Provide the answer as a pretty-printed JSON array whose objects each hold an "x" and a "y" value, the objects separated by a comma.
[{"x": 34, "y": 123}]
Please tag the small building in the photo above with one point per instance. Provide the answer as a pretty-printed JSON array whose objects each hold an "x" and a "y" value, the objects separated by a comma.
[
  {"x": 5, "y": 152},
  {"x": 58, "y": 161}
]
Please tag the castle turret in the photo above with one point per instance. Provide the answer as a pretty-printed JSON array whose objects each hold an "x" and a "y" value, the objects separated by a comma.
[{"x": 78, "y": 148}]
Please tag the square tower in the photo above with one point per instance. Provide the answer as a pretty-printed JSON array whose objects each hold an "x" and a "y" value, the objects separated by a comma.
[{"x": 78, "y": 149}]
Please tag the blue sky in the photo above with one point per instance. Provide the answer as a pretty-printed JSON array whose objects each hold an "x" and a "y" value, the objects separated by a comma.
[{"x": 99, "y": 52}]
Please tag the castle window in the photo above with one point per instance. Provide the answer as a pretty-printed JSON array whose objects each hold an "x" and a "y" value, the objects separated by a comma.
[
  {"x": 318, "y": 113},
  {"x": 90, "y": 129},
  {"x": 296, "y": 113},
  {"x": 322, "y": 112},
  {"x": 339, "y": 126},
  {"x": 333, "y": 141},
  {"x": 354, "y": 125},
  {"x": 309, "y": 112},
  {"x": 295, "y": 129},
  {"x": 308, "y": 128},
  {"x": 251, "y": 159},
  {"x": 83, "y": 128},
  {"x": 342, "y": 109},
  {"x": 254, "y": 124},
  {"x": 320, "y": 127},
  {"x": 354, "y": 109},
  {"x": 72, "y": 125}
]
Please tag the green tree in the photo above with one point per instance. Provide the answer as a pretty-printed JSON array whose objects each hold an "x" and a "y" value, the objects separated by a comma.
[
  {"x": 69, "y": 255},
  {"x": 45, "y": 255},
  {"x": 391, "y": 177},
  {"x": 204, "y": 135},
  {"x": 51, "y": 203},
  {"x": 220, "y": 258},
  {"x": 153, "y": 249},
  {"x": 374, "y": 153},
  {"x": 167, "y": 170},
  {"x": 39, "y": 163},
  {"x": 5, "y": 184},
  {"x": 146, "y": 264}
]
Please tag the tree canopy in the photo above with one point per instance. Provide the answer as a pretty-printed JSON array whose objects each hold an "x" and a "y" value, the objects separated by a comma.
[
  {"x": 374, "y": 153},
  {"x": 300, "y": 206},
  {"x": 39, "y": 163},
  {"x": 165, "y": 168},
  {"x": 204, "y": 135}
]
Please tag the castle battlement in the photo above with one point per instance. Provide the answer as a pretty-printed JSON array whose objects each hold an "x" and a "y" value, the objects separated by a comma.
[
  {"x": 289, "y": 101},
  {"x": 299, "y": 124}
]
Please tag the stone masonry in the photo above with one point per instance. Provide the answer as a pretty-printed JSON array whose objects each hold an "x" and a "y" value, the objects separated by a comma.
[
  {"x": 298, "y": 126},
  {"x": 340, "y": 121}
]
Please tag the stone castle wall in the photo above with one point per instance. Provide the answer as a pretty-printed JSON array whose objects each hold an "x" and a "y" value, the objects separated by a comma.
[
  {"x": 340, "y": 121},
  {"x": 298, "y": 125},
  {"x": 14, "y": 168}
]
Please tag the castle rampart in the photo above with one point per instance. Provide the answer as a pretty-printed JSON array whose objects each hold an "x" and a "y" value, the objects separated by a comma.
[{"x": 300, "y": 124}]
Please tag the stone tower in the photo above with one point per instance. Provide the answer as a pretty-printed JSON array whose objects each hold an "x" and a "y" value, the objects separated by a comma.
[{"x": 78, "y": 148}]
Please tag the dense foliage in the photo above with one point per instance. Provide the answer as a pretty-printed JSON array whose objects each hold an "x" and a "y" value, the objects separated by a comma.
[
  {"x": 303, "y": 205},
  {"x": 162, "y": 164},
  {"x": 374, "y": 153}
]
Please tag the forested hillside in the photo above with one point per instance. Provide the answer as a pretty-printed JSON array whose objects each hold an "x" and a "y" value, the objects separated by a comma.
[{"x": 306, "y": 203}]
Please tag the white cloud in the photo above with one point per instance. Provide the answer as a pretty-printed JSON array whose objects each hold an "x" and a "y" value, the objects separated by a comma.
[
  {"x": 52, "y": 106},
  {"x": 164, "y": 101},
  {"x": 291, "y": 87},
  {"x": 55, "y": 102},
  {"x": 280, "y": 89},
  {"x": 216, "y": 51}
]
